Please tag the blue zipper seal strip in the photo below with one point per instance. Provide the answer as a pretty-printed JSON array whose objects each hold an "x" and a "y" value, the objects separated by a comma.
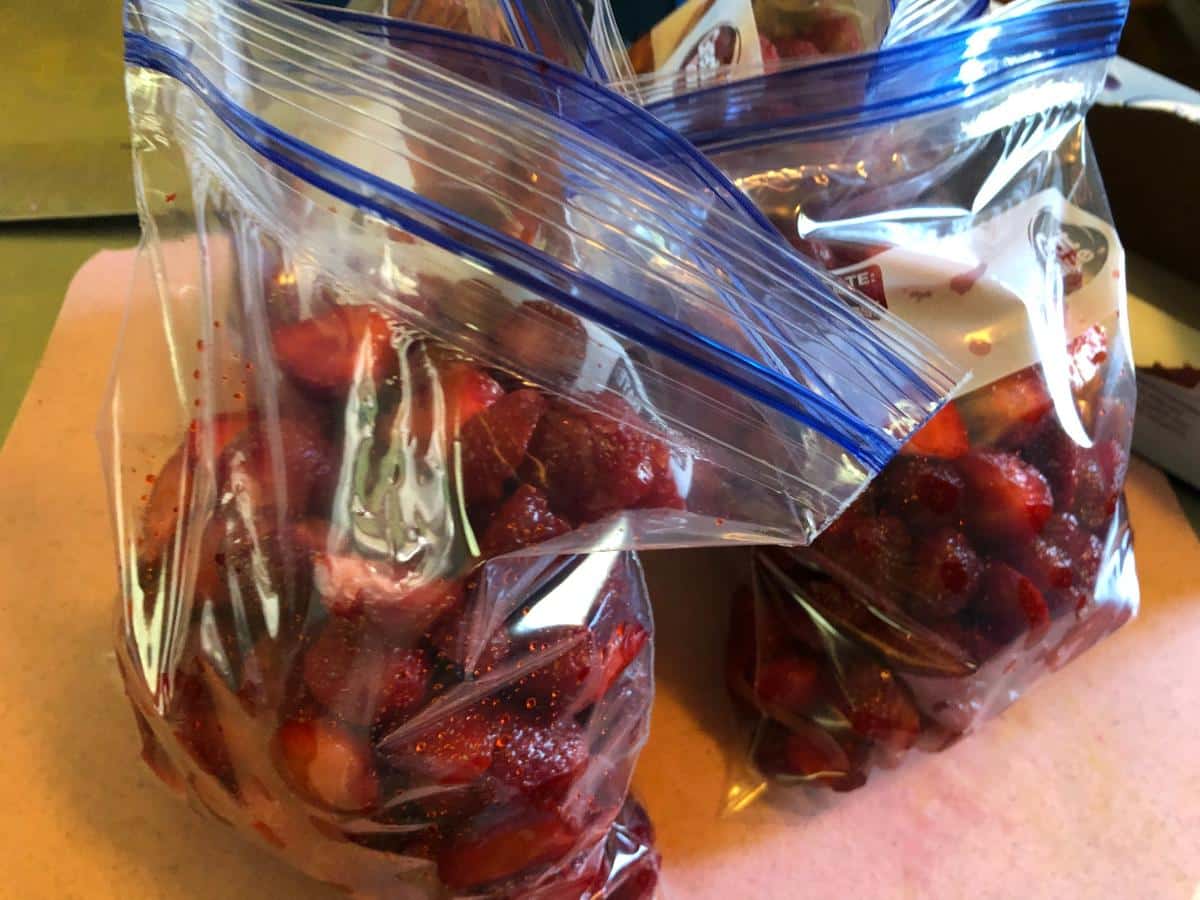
[
  {"x": 1019, "y": 46},
  {"x": 619, "y": 123},
  {"x": 648, "y": 327}
]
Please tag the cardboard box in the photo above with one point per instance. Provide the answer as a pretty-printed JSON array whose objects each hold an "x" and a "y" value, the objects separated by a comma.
[{"x": 1147, "y": 149}]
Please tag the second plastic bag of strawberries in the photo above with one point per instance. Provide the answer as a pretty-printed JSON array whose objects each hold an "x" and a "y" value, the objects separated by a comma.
[{"x": 958, "y": 191}]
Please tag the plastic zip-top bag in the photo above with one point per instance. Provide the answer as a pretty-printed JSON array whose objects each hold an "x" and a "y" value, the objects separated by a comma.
[
  {"x": 706, "y": 44},
  {"x": 914, "y": 19},
  {"x": 958, "y": 190},
  {"x": 556, "y": 30},
  {"x": 408, "y": 369}
]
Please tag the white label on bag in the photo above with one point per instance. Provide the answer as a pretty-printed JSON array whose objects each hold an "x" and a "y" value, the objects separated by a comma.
[
  {"x": 1012, "y": 291},
  {"x": 704, "y": 36}
]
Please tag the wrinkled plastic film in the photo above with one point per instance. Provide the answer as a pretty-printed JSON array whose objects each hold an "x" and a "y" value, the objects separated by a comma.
[
  {"x": 915, "y": 19},
  {"x": 556, "y": 31},
  {"x": 785, "y": 344},
  {"x": 375, "y": 392},
  {"x": 951, "y": 70},
  {"x": 995, "y": 548},
  {"x": 790, "y": 35},
  {"x": 479, "y": 17},
  {"x": 557, "y": 92},
  {"x": 312, "y": 649}
]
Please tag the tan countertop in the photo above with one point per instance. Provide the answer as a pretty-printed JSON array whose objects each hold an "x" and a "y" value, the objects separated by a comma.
[{"x": 1088, "y": 788}]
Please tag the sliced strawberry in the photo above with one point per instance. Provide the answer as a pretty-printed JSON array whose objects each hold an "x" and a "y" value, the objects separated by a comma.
[
  {"x": 172, "y": 487},
  {"x": 252, "y": 564},
  {"x": 503, "y": 842},
  {"x": 1070, "y": 600},
  {"x": 251, "y": 464},
  {"x": 1114, "y": 421},
  {"x": 455, "y": 749},
  {"x": 327, "y": 764},
  {"x": 524, "y": 519},
  {"x": 445, "y": 392},
  {"x": 590, "y": 463},
  {"x": 539, "y": 334},
  {"x": 965, "y": 633},
  {"x": 812, "y": 753},
  {"x": 446, "y": 807},
  {"x": 324, "y": 353},
  {"x": 664, "y": 491},
  {"x": 877, "y": 705},
  {"x": 1009, "y": 605},
  {"x": 875, "y": 622},
  {"x": 877, "y": 550},
  {"x": 944, "y": 436},
  {"x": 468, "y": 391},
  {"x": 540, "y": 761},
  {"x": 1101, "y": 478},
  {"x": 494, "y": 442},
  {"x": 356, "y": 674},
  {"x": 352, "y": 586},
  {"x": 1084, "y": 550},
  {"x": 455, "y": 640},
  {"x": 1060, "y": 459},
  {"x": 198, "y": 729},
  {"x": 804, "y": 750},
  {"x": 925, "y": 493},
  {"x": 788, "y": 684},
  {"x": 579, "y": 675},
  {"x": 573, "y": 658},
  {"x": 1045, "y": 563},
  {"x": 1063, "y": 562},
  {"x": 1007, "y": 499},
  {"x": 1009, "y": 412},
  {"x": 945, "y": 575}
]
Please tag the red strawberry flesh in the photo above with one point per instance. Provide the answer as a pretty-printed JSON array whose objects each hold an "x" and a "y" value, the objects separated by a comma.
[
  {"x": 540, "y": 761},
  {"x": 325, "y": 353},
  {"x": 502, "y": 843},
  {"x": 944, "y": 436},
  {"x": 455, "y": 749},
  {"x": 945, "y": 574},
  {"x": 494, "y": 442},
  {"x": 1007, "y": 499},
  {"x": 353, "y": 671},
  {"x": 1009, "y": 605},
  {"x": 592, "y": 463},
  {"x": 329, "y": 765},
  {"x": 524, "y": 519}
]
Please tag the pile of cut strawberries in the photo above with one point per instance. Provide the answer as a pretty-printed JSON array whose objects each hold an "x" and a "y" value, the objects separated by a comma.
[
  {"x": 486, "y": 719},
  {"x": 978, "y": 548}
]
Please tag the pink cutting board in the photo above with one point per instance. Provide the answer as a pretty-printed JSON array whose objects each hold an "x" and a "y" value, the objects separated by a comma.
[{"x": 1088, "y": 788}]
